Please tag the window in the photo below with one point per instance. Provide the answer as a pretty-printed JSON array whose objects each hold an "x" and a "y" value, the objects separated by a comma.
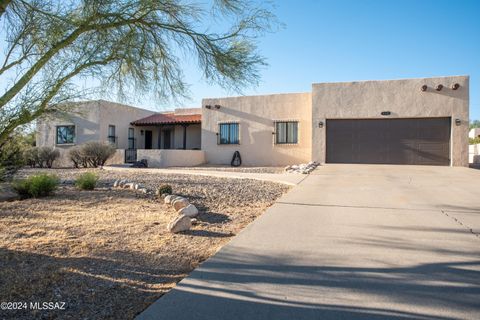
[
  {"x": 131, "y": 138},
  {"x": 286, "y": 132},
  {"x": 111, "y": 134},
  {"x": 65, "y": 134},
  {"x": 229, "y": 133}
]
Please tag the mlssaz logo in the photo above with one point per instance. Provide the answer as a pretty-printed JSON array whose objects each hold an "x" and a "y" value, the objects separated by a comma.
[{"x": 47, "y": 305}]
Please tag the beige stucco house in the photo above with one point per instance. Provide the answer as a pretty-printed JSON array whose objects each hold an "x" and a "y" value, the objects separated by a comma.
[{"x": 413, "y": 121}]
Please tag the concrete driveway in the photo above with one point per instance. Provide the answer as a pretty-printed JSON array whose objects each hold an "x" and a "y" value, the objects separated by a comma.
[{"x": 349, "y": 242}]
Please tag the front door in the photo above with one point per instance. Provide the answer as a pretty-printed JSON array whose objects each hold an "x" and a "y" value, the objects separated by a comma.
[
  {"x": 166, "y": 139},
  {"x": 148, "y": 139}
]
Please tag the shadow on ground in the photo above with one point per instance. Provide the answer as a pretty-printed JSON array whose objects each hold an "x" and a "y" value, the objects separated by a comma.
[{"x": 222, "y": 288}]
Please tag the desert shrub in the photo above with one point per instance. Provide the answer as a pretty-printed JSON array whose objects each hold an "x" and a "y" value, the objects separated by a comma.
[
  {"x": 91, "y": 154},
  {"x": 40, "y": 185},
  {"x": 48, "y": 155},
  {"x": 11, "y": 153},
  {"x": 474, "y": 140},
  {"x": 31, "y": 157},
  {"x": 42, "y": 157},
  {"x": 86, "y": 181},
  {"x": 76, "y": 156},
  {"x": 164, "y": 189}
]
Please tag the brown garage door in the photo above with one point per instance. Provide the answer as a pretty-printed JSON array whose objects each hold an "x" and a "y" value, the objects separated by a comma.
[{"x": 389, "y": 141}]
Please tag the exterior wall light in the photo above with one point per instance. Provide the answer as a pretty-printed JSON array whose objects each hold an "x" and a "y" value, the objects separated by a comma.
[
  {"x": 458, "y": 122},
  {"x": 217, "y": 106},
  {"x": 424, "y": 88},
  {"x": 141, "y": 132},
  {"x": 385, "y": 113},
  {"x": 208, "y": 106},
  {"x": 320, "y": 124},
  {"x": 439, "y": 87},
  {"x": 455, "y": 86}
]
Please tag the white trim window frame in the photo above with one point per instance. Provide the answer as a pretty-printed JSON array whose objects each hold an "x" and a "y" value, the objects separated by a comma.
[
  {"x": 228, "y": 133},
  {"x": 286, "y": 132}
]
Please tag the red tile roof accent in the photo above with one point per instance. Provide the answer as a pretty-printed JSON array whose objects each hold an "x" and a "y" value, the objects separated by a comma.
[{"x": 168, "y": 118}]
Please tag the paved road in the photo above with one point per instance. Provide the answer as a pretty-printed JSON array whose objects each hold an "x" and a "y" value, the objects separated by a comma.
[{"x": 349, "y": 242}]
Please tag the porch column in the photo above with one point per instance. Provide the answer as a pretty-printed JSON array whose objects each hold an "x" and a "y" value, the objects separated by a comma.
[{"x": 184, "y": 136}]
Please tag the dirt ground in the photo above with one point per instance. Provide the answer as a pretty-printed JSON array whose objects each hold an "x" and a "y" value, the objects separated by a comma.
[{"x": 106, "y": 253}]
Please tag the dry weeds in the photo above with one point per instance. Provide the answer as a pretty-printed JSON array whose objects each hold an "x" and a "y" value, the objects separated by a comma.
[{"x": 106, "y": 253}]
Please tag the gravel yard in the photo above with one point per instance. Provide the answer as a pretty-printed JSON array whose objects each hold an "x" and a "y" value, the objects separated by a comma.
[
  {"x": 243, "y": 169},
  {"x": 107, "y": 253}
]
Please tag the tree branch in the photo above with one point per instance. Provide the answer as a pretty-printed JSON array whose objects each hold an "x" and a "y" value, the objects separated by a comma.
[
  {"x": 23, "y": 81},
  {"x": 25, "y": 115},
  {"x": 3, "y": 6}
]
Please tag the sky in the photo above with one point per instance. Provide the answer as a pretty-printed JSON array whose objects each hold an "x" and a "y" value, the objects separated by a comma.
[
  {"x": 351, "y": 40},
  {"x": 343, "y": 40}
]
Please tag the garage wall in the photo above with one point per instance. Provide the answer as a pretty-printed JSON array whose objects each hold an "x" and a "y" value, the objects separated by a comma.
[
  {"x": 256, "y": 116},
  {"x": 403, "y": 98}
]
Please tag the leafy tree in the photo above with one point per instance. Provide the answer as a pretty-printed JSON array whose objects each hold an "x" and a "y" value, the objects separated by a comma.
[
  {"x": 12, "y": 152},
  {"x": 127, "y": 46},
  {"x": 474, "y": 124}
]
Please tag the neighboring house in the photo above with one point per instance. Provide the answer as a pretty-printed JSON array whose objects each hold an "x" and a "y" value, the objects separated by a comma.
[
  {"x": 412, "y": 121},
  {"x": 474, "y": 133},
  {"x": 126, "y": 127}
]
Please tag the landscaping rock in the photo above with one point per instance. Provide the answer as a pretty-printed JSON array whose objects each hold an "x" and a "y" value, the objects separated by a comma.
[
  {"x": 180, "y": 203},
  {"x": 116, "y": 183},
  {"x": 137, "y": 186},
  {"x": 304, "y": 168},
  {"x": 179, "y": 224},
  {"x": 169, "y": 198},
  {"x": 129, "y": 185},
  {"x": 190, "y": 211},
  {"x": 143, "y": 190},
  {"x": 122, "y": 182}
]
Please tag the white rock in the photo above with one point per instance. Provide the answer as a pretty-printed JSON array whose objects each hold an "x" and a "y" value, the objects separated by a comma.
[
  {"x": 190, "y": 211},
  {"x": 116, "y": 183},
  {"x": 168, "y": 199},
  {"x": 121, "y": 183},
  {"x": 179, "y": 224},
  {"x": 138, "y": 186},
  {"x": 143, "y": 190},
  {"x": 129, "y": 185},
  {"x": 180, "y": 203}
]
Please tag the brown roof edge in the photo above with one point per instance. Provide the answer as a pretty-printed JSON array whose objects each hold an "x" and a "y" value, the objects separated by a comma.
[{"x": 162, "y": 118}]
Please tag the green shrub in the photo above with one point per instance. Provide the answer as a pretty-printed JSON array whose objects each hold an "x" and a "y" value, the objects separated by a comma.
[
  {"x": 164, "y": 189},
  {"x": 40, "y": 185},
  {"x": 91, "y": 154},
  {"x": 474, "y": 140},
  {"x": 86, "y": 181},
  {"x": 11, "y": 153}
]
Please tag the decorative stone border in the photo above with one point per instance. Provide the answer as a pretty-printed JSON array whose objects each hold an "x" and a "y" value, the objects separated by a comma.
[{"x": 304, "y": 168}]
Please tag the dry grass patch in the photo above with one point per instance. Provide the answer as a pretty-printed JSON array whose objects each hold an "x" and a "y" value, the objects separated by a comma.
[{"x": 107, "y": 253}]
